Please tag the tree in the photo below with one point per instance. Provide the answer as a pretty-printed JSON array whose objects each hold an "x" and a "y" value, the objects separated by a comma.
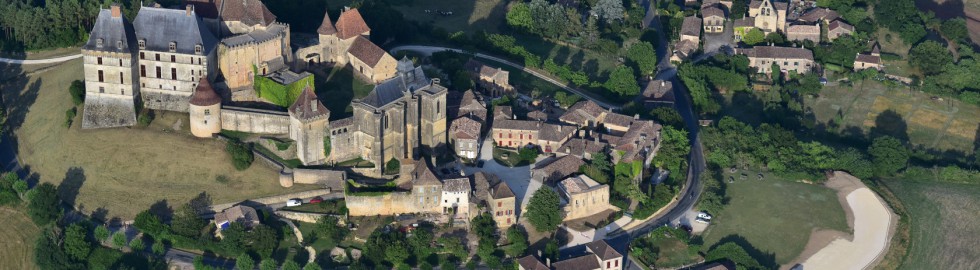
[
  {"x": 518, "y": 241},
  {"x": 119, "y": 239},
  {"x": 754, "y": 36},
  {"x": 396, "y": 253},
  {"x": 930, "y": 57},
  {"x": 519, "y": 16},
  {"x": 609, "y": 10},
  {"x": 855, "y": 162},
  {"x": 311, "y": 266},
  {"x": 263, "y": 240},
  {"x": 483, "y": 226},
  {"x": 148, "y": 222},
  {"x": 420, "y": 242},
  {"x": 48, "y": 255},
  {"x": 888, "y": 155},
  {"x": 327, "y": 227},
  {"x": 775, "y": 38},
  {"x": 955, "y": 29},
  {"x": 644, "y": 57},
  {"x": 75, "y": 243},
  {"x": 244, "y": 262},
  {"x": 290, "y": 265},
  {"x": 454, "y": 246},
  {"x": 44, "y": 206},
  {"x": 20, "y": 186},
  {"x": 668, "y": 116},
  {"x": 137, "y": 244},
  {"x": 621, "y": 81},
  {"x": 101, "y": 233},
  {"x": 393, "y": 166},
  {"x": 187, "y": 222},
  {"x": 77, "y": 91},
  {"x": 268, "y": 264},
  {"x": 543, "y": 212},
  {"x": 158, "y": 248},
  {"x": 241, "y": 155}
]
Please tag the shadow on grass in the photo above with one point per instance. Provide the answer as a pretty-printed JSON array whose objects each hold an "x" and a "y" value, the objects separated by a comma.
[{"x": 766, "y": 259}]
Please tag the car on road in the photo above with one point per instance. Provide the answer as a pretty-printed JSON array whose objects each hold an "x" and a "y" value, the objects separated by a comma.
[
  {"x": 294, "y": 202},
  {"x": 316, "y": 199}
]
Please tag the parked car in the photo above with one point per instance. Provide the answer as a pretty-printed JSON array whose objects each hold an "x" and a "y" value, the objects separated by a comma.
[
  {"x": 316, "y": 199},
  {"x": 701, "y": 220},
  {"x": 294, "y": 202},
  {"x": 703, "y": 215}
]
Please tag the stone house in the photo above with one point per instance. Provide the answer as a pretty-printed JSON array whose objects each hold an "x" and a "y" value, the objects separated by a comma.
[
  {"x": 596, "y": 255},
  {"x": 819, "y": 14},
  {"x": 838, "y": 28},
  {"x": 787, "y": 58},
  {"x": 640, "y": 142},
  {"x": 308, "y": 120},
  {"x": 503, "y": 112},
  {"x": 583, "y": 197},
  {"x": 464, "y": 136},
  {"x": 658, "y": 93},
  {"x": 456, "y": 198},
  {"x": 741, "y": 27},
  {"x": 537, "y": 115},
  {"x": 468, "y": 104},
  {"x": 494, "y": 81},
  {"x": 714, "y": 19},
  {"x": 502, "y": 205},
  {"x": 371, "y": 61},
  {"x": 172, "y": 58},
  {"x": 801, "y": 32},
  {"x": 869, "y": 60},
  {"x": 420, "y": 193},
  {"x": 552, "y": 136},
  {"x": 690, "y": 38},
  {"x": 584, "y": 114},
  {"x": 769, "y": 16},
  {"x": 244, "y": 215},
  {"x": 346, "y": 42},
  {"x": 515, "y": 134},
  {"x": 109, "y": 59},
  {"x": 582, "y": 148},
  {"x": 556, "y": 168}
]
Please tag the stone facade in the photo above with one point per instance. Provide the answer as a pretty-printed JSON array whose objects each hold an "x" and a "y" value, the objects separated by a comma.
[
  {"x": 422, "y": 194},
  {"x": 494, "y": 82},
  {"x": 869, "y": 60},
  {"x": 108, "y": 60},
  {"x": 584, "y": 197},
  {"x": 714, "y": 19},
  {"x": 502, "y": 205},
  {"x": 254, "y": 120},
  {"x": 787, "y": 58},
  {"x": 769, "y": 16},
  {"x": 264, "y": 48},
  {"x": 307, "y": 126},
  {"x": 803, "y": 32}
]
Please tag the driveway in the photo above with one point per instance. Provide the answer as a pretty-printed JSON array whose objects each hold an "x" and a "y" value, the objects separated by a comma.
[
  {"x": 518, "y": 178},
  {"x": 715, "y": 41}
]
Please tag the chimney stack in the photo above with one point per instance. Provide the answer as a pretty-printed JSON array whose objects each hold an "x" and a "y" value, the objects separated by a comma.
[
  {"x": 663, "y": 83},
  {"x": 436, "y": 81},
  {"x": 539, "y": 253},
  {"x": 189, "y": 9},
  {"x": 547, "y": 262},
  {"x": 116, "y": 10}
]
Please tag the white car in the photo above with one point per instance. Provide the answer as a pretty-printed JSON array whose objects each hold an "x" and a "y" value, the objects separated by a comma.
[
  {"x": 704, "y": 216},
  {"x": 294, "y": 202},
  {"x": 701, "y": 220}
]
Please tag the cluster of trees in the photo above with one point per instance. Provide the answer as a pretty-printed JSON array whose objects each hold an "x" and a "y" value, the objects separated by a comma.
[
  {"x": 943, "y": 75},
  {"x": 543, "y": 210},
  {"x": 903, "y": 17},
  {"x": 241, "y": 154},
  {"x": 388, "y": 247},
  {"x": 33, "y": 25},
  {"x": 545, "y": 19},
  {"x": 723, "y": 73},
  {"x": 646, "y": 248}
]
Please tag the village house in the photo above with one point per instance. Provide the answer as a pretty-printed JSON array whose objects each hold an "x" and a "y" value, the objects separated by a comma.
[
  {"x": 869, "y": 60},
  {"x": 839, "y": 28},
  {"x": 456, "y": 198},
  {"x": 556, "y": 168},
  {"x": 236, "y": 214},
  {"x": 769, "y": 16},
  {"x": 787, "y": 58},
  {"x": 714, "y": 19},
  {"x": 741, "y": 27},
  {"x": 495, "y": 82},
  {"x": 515, "y": 134},
  {"x": 502, "y": 204},
  {"x": 419, "y": 192},
  {"x": 640, "y": 143},
  {"x": 690, "y": 38},
  {"x": 815, "y": 15},
  {"x": 109, "y": 59},
  {"x": 801, "y": 32},
  {"x": 468, "y": 104},
  {"x": 502, "y": 112},
  {"x": 583, "y": 197},
  {"x": 464, "y": 136},
  {"x": 658, "y": 93},
  {"x": 596, "y": 255},
  {"x": 582, "y": 148},
  {"x": 537, "y": 115}
]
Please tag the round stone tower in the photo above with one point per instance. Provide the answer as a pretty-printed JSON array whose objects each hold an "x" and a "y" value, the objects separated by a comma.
[{"x": 205, "y": 110}]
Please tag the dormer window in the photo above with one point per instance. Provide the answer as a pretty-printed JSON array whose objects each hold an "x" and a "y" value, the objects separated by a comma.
[
  {"x": 119, "y": 44},
  {"x": 173, "y": 46},
  {"x": 98, "y": 43},
  {"x": 198, "y": 49},
  {"x": 142, "y": 44}
]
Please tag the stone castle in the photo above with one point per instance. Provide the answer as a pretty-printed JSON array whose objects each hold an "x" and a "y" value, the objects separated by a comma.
[{"x": 172, "y": 59}]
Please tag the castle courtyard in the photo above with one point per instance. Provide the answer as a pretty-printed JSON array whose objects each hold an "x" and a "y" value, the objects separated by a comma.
[{"x": 124, "y": 170}]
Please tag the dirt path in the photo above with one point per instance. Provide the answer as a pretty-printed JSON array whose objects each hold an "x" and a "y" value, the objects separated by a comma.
[{"x": 872, "y": 222}]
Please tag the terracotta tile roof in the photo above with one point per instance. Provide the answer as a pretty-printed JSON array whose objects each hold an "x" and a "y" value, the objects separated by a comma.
[
  {"x": 249, "y": 12},
  {"x": 587, "y": 262},
  {"x": 466, "y": 128},
  {"x": 529, "y": 262},
  {"x": 744, "y": 22},
  {"x": 691, "y": 26},
  {"x": 578, "y": 184},
  {"x": 239, "y": 213},
  {"x": 818, "y": 14},
  {"x": 422, "y": 175},
  {"x": 342, "y": 122},
  {"x": 618, "y": 119},
  {"x": 582, "y": 112},
  {"x": 326, "y": 27},
  {"x": 503, "y": 112},
  {"x": 776, "y": 52},
  {"x": 555, "y": 133},
  {"x": 803, "y": 29},
  {"x": 481, "y": 182},
  {"x": 350, "y": 24},
  {"x": 365, "y": 50},
  {"x": 659, "y": 90},
  {"x": 456, "y": 185},
  {"x": 501, "y": 191},
  {"x": 685, "y": 47},
  {"x": 469, "y": 105},
  {"x": 578, "y": 147},
  {"x": 511, "y": 124},
  {"x": 712, "y": 11},
  {"x": 204, "y": 95},
  {"x": 838, "y": 24},
  {"x": 537, "y": 115},
  {"x": 867, "y": 58},
  {"x": 603, "y": 250},
  {"x": 307, "y": 106},
  {"x": 560, "y": 167}
]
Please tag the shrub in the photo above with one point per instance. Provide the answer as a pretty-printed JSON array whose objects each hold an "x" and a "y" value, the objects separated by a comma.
[
  {"x": 393, "y": 166},
  {"x": 77, "y": 91},
  {"x": 145, "y": 118},
  {"x": 326, "y": 146},
  {"x": 137, "y": 244},
  {"x": 101, "y": 233},
  {"x": 119, "y": 239},
  {"x": 70, "y": 116},
  {"x": 244, "y": 262},
  {"x": 241, "y": 155},
  {"x": 158, "y": 248}
]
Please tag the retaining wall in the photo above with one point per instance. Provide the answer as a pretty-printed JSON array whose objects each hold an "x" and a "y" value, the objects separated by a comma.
[{"x": 254, "y": 120}]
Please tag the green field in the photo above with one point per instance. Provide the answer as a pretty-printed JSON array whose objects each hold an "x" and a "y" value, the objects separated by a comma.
[
  {"x": 944, "y": 226},
  {"x": 468, "y": 15},
  {"x": 871, "y": 106},
  {"x": 124, "y": 170},
  {"x": 776, "y": 216},
  {"x": 19, "y": 234}
]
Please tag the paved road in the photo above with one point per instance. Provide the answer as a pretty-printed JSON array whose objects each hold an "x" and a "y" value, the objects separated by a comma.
[
  {"x": 40, "y": 61},
  {"x": 428, "y": 50}
]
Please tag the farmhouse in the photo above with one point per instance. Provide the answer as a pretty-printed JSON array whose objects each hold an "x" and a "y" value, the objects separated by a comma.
[
  {"x": 714, "y": 19},
  {"x": 838, "y": 28},
  {"x": 801, "y": 32},
  {"x": 787, "y": 58},
  {"x": 869, "y": 60}
]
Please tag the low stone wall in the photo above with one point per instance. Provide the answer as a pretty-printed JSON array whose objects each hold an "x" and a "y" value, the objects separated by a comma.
[
  {"x": 393, "y": 203},
  {"x": 268, "y": 161},
  {"x": 333, "y": 180},
  {"x": 307, "y": 217},
  {"x": 276, "y": 199},
  {"x": 254, "y": 120}
]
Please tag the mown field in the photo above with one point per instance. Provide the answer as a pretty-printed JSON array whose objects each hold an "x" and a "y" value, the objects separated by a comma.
[
  {"x": 18, "y": 234},
  {"x": 775, "y": 216},
  {"x": 124, "y": 170},
  {"x": 944, "y": 226},
  {"x": 870, "y": 106}
]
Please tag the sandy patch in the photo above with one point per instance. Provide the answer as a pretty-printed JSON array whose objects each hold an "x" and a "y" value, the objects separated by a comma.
[{"x": 870, "y": 218}]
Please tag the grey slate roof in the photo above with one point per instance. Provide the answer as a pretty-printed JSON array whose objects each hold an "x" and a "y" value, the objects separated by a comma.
[
  {"x": 110, "y": 30},
  {"x": 393, "y": 89},
  {"x": 776, "y": 52},
  {"x": 257, "y": 35},
  {"x": 691, "y": 26},
  {"x": 603, "y": 250},
  {"x": 456, "y": 185},
  {"x": 159, "y": 27}
]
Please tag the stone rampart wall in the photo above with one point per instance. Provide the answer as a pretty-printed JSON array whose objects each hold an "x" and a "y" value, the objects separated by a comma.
[
  {"x": 254, "y": 121},
  {"x": 393, "y": 203}
]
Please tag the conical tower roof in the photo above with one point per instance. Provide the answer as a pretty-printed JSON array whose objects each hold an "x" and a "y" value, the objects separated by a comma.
[
  {"x": 204, "y": 94},
  {"x": 308, "y": 106},
  {"x": 326, "y": 28}
]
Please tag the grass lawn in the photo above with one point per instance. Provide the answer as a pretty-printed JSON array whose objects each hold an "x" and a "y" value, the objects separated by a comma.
[
  {"x": 325, "y": 207},
  {"x": 124, "y": 170},
  {"x": 468, "y": 15},
  {"x": 18, "y": 234},
  {"x": 292, "y": 163},
  {"x": 336, "y": 87},
  {"x": 509, "y": 158},
  {"x": 933, "y": 124},
  {"x": 944, "y": 225},
  {"x": 673, "y": 253},
  {"x": 776, "y": 216}
]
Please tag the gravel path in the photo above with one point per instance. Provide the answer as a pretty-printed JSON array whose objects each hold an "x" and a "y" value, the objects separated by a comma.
[{"x": 40, "y": 61}]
